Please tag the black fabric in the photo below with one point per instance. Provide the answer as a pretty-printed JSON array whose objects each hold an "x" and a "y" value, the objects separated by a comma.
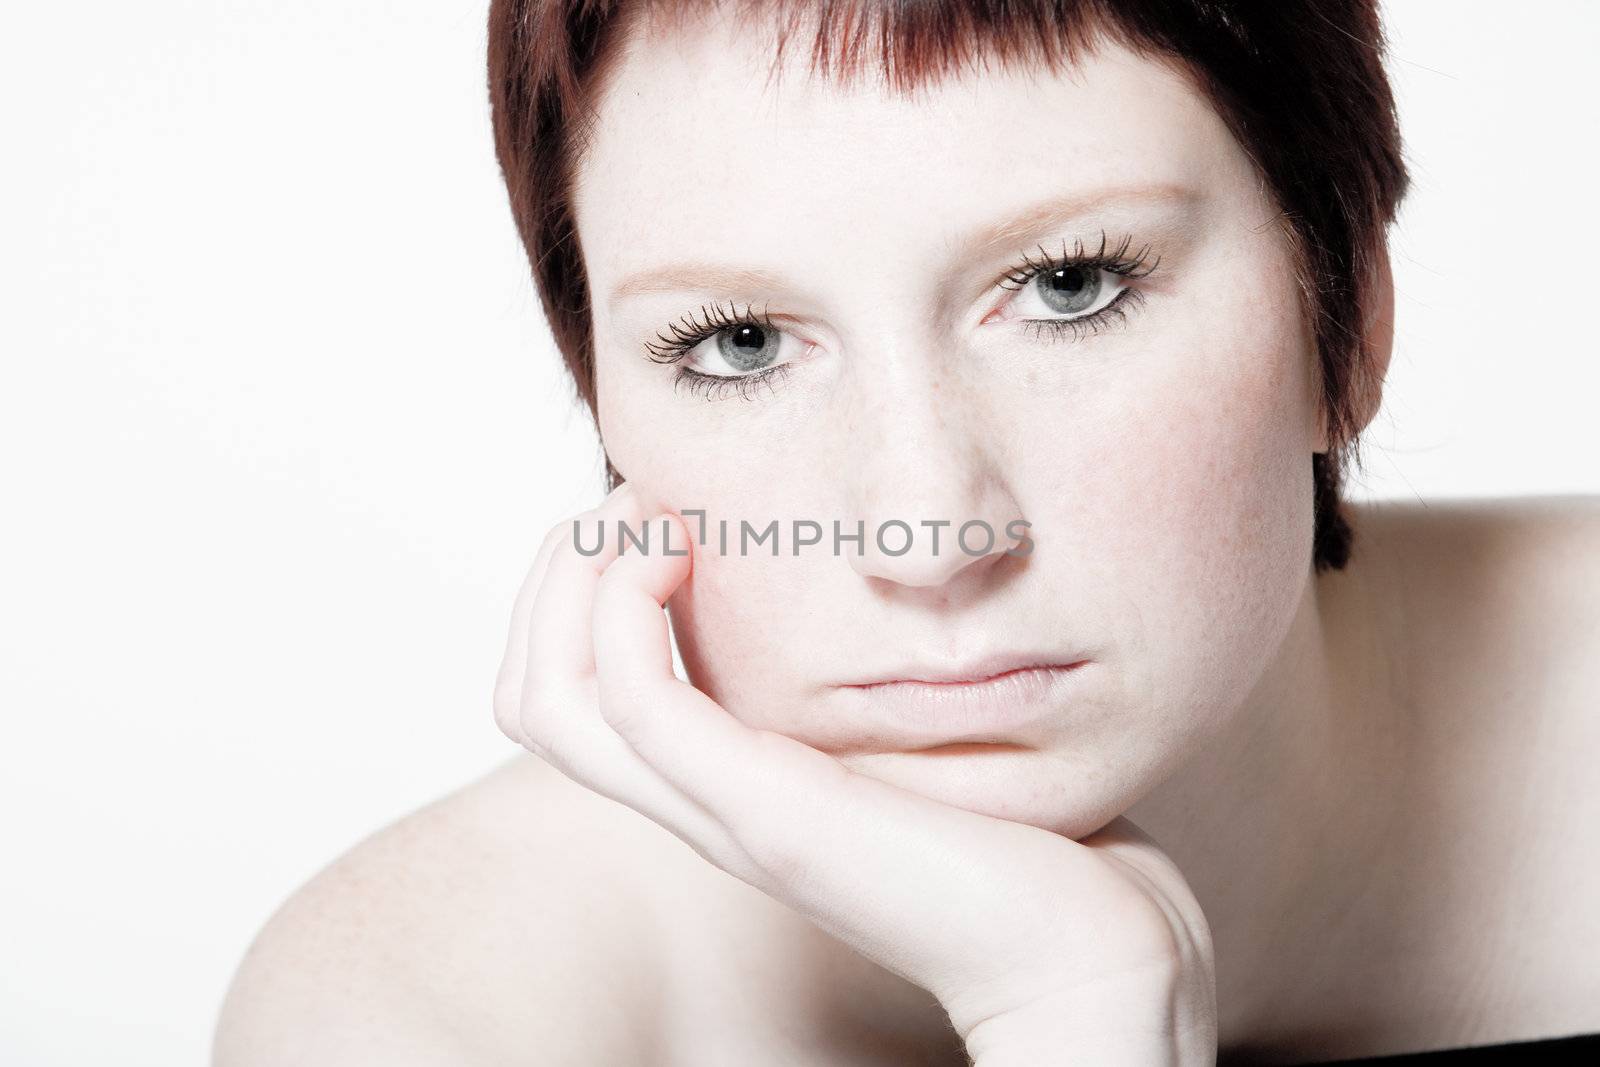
[{"x": 1577, "y": 1049}]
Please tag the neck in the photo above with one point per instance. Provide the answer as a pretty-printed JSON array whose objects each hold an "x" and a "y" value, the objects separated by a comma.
[{"x": 1279, "y": 821}]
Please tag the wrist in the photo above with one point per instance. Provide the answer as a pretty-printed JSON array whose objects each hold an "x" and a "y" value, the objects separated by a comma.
[{"x": 1144, "y": 1022}]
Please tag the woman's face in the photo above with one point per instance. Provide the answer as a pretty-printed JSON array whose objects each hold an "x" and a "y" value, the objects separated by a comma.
[{"x": 1150, "y": 413}]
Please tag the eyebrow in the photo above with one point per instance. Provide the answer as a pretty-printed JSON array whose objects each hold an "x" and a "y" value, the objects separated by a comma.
[
  {"x": 1048, "y": 214},
  {"x": 692, "y": 276}
]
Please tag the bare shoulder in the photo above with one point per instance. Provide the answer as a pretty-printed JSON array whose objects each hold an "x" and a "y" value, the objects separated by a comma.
[
  {"x": 1568, "y": 521},
  {"x": 500, "y": 922},
  {"x": 1492, "y": 610},
  {"x": 1496, "y": 612},
  {"x": 1520, "y": 573}
]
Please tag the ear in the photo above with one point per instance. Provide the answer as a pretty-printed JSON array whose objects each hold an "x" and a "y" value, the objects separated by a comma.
[{"x": 1377, "y": 343}]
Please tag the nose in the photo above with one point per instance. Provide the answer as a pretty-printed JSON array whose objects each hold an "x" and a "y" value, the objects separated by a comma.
[{"x": 924, "y": 475}]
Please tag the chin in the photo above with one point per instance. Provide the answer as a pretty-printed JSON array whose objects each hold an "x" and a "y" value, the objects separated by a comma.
[{"x": 1053, "y": 791}]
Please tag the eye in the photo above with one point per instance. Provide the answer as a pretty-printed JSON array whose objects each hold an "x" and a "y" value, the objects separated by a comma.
[
  {"x": 1077, "y": 291},
  {"x": 1071, "y": 291},
  {"x": 737, "y": 350},
  {"x": 720, "y": 342}
]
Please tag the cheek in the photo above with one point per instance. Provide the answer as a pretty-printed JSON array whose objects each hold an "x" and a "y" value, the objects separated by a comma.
[
  {"x": 742, "y": 627},
  {"x": 735, "y": 617},
  {"x": 1193, "y": 498}
]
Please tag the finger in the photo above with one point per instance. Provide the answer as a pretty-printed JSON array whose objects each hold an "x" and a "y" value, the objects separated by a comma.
[
  {"x": 633, "y": 661},
  {"x": 513, "y": 661},
  {"x": 558, "y": 641},
  {"x": 557, "y": 715}
]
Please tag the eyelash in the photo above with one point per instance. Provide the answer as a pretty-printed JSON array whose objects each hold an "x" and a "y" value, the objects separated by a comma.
[
  {"x": 1111, "y": 260},
  {"x": 714, "y": 318}
]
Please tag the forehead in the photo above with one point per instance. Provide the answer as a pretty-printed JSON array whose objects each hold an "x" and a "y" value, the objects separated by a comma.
[{"x": 705, "y": 149}]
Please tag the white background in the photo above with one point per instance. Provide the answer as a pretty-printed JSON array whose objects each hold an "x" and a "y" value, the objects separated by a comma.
[{"x": 281, "y": 426}]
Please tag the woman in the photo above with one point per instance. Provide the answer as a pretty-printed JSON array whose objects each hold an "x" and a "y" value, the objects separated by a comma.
[{"x": 1163, "y": 754}]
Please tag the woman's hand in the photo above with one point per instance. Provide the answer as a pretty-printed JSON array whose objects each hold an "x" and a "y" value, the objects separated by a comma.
[{"x": 1041, "y": 949}]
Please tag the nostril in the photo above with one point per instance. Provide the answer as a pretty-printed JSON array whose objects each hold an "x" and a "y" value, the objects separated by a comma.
[{"x": 923, "y": 564}]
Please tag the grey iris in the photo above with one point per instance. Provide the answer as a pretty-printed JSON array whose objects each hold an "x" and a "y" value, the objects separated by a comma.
[
  {"x": 1069, "y": 289},
  {"x": 747, "y": 346}
]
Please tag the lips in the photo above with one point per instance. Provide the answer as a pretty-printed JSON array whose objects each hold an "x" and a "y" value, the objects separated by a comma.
[
  {"x": 1001, "y": 700},
  {"x": 978, "y": 671}
]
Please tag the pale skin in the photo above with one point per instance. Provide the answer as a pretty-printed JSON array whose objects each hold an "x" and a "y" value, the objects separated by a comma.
[{"x": 1356, "y": 801}]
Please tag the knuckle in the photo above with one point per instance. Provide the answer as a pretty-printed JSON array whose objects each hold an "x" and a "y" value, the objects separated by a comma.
[
  {"x": 560, "y": 545},
  {"x": 612, "y": 583},
  {"x": 779, "y": 858},
  {"x": 507, "y": 688},
  {"x": 536, "y": 713},
  {"x": 541, "y": 743},
  {"x": 537, "y": 700},
  {"x": 782, "y": 851},
  {"x": 620, "y": 708},
  {"x": 732, "y": 854},
  {"x": 568, "y": 746},
  {"x": 507, "y": 711},
  {"x": 560, "y": 533},
  {"x": 540, "y": 740},
  {"x": 562, "y": 551}
]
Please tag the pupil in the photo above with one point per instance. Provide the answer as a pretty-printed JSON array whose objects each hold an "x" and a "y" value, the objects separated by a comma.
[
  {"x": 744, "y": 334},
  {"x": 1069, "y": 280}
]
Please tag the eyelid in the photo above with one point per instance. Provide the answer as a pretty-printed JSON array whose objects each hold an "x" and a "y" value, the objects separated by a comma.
[
  {"x": 717, "y": 387},
  {"x": 1115, "y": 311},
  {"x": 1119, "y": 259},
  {"x": 689, "y": 333},
  {"x": 694, "y": 331},
  {"x": 1113, "y": 259}
]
